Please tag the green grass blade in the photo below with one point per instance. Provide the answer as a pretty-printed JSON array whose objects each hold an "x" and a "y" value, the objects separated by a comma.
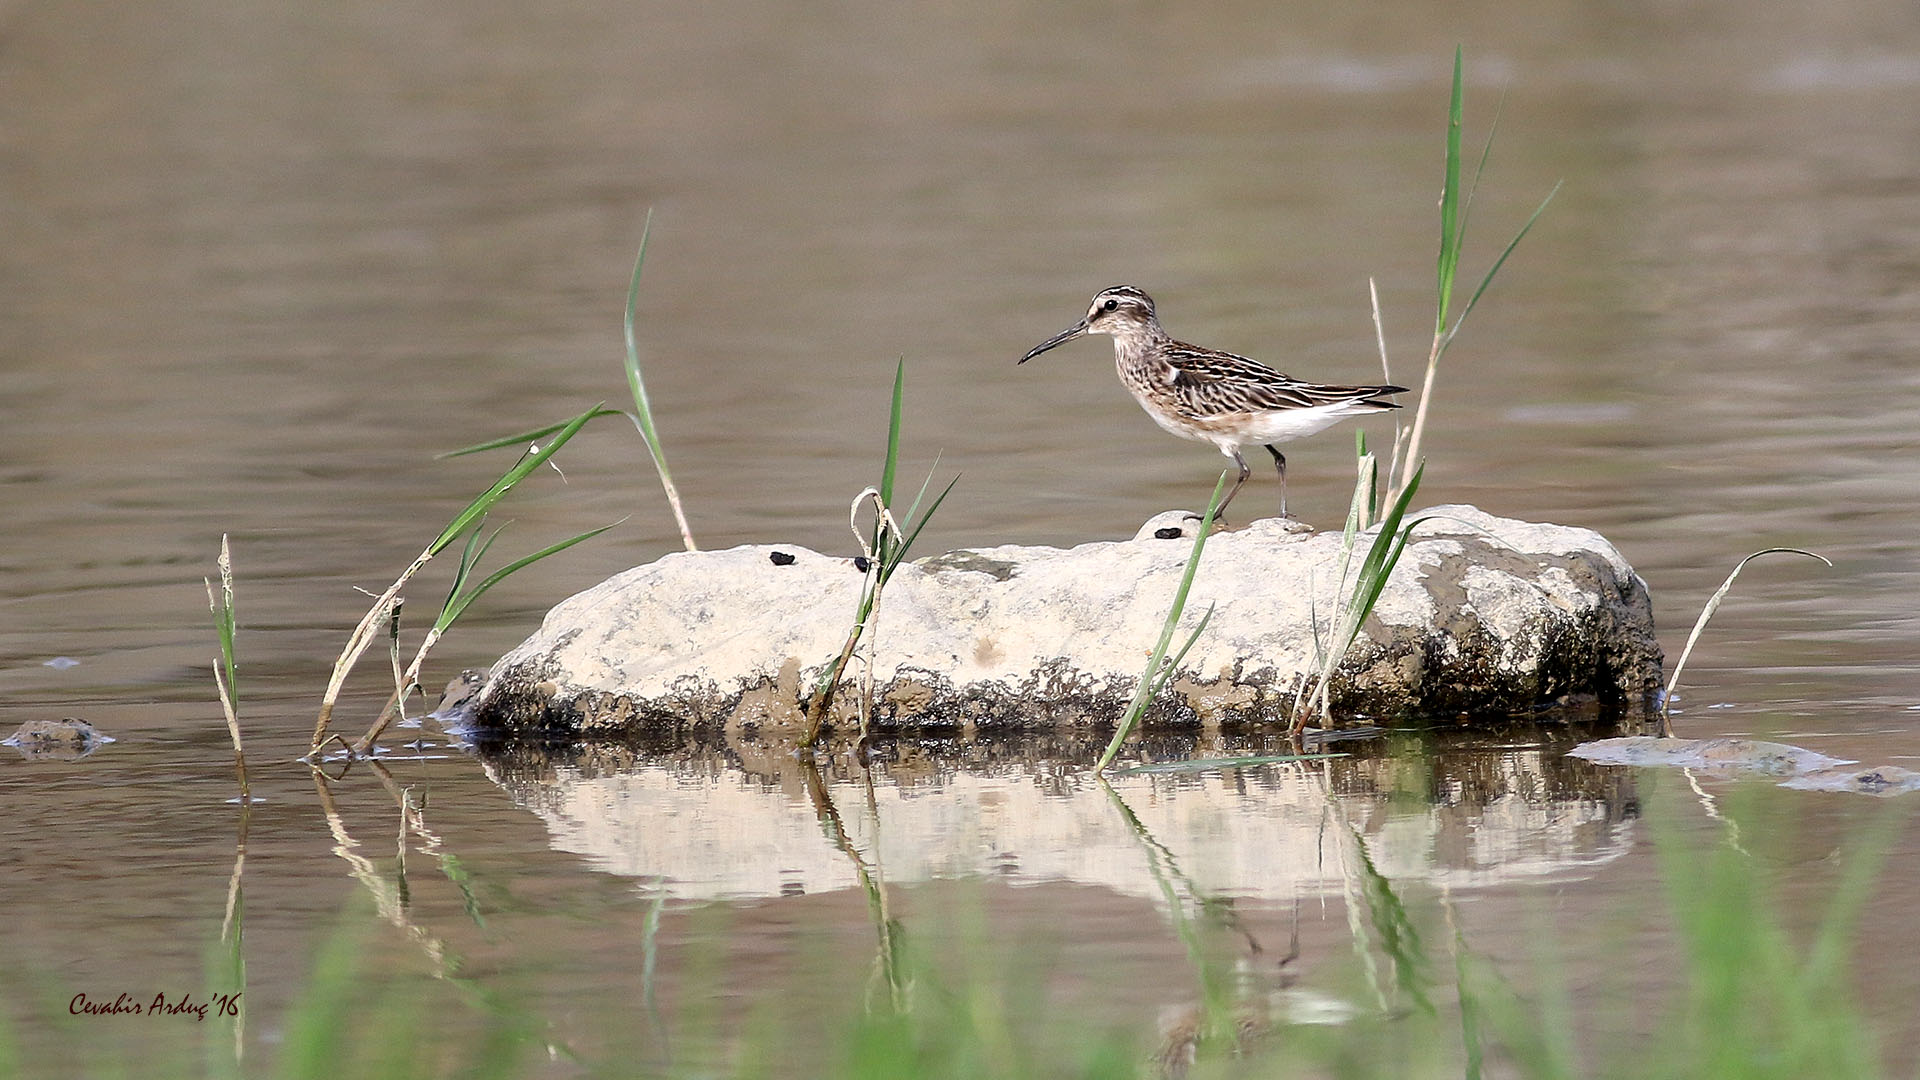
[
  {"x": 1450, "y": 201},
  {"x": 900, "y": 555},
  {"x": 521, "y": 439},
  {"x": 486, "y": 500},
  {"x": 1382, "y": 554},
  {"x": 1369, "y": 581},
  {"x": 1165, "y": 674},
  {"x": 1379, "y": 582},
  {"x": 469, "y": 556},
  {"x": 1502, "y": 260},
  {"x": 1369, "y": 468},
  {"x": 920, "y": 496},
  {"x": 458, "y": 605},
  {"x": 637, "y": 386},
  {"x": 893, "y": 434},
  {"x": 1479, "y": 170},
  {"x": 642, "y": 407},
  {"x": 1356, "y": 517},
  {"x": 1143, "y": 695},
  {"x": 882, "y": 543}
]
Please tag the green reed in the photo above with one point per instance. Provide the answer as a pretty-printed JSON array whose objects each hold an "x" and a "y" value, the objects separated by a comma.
[
  {"x": 885, "y": 548},
  {"x": 642, "y": 414},
  {"x": 1369, "y": 581},
  {"x": 459, "y": 598},
  {"x": 1383, "y": 552},
  {"x": 385, "y": 604},
  {"x": 1159, "y": 671},
  {"x": 643, "y": 408},
  {"x": 1455, "y": 207}
]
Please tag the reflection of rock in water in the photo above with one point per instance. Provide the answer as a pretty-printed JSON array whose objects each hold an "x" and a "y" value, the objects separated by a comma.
[{"x": 738, "y": 820}]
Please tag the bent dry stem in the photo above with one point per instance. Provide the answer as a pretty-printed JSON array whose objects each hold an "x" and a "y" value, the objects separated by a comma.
[{"x": 1700, "y": 624}]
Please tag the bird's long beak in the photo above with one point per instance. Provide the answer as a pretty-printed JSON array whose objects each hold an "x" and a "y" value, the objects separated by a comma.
[{"x": 1060, "y": 338}]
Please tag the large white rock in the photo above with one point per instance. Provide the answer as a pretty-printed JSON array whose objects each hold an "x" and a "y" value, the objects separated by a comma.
[{"x": 1483, "y": 618}]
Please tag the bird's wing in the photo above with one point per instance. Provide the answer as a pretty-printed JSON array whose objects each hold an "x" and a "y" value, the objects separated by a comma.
[{"x": 1221, "y": 382}]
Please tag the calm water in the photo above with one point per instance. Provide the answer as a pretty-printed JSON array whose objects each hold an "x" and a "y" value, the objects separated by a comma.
[{"x": 262, "y": 262}]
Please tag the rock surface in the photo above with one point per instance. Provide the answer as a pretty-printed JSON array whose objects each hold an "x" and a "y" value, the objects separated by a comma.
[
  {"x": 66, "y": 739},
  {"x": 1483, "y": 617}
]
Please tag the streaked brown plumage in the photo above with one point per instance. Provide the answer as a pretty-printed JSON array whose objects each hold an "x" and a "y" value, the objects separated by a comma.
[{"x": 1211, "y": 396}]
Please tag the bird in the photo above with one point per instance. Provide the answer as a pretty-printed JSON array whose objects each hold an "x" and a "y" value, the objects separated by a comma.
[{"x": 1212, "y": 396}]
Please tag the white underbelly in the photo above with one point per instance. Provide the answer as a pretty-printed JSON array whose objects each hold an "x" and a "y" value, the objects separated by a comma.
[
  {"x": 1287, "y": 424},
  {"x": 1249, "y": 429}
]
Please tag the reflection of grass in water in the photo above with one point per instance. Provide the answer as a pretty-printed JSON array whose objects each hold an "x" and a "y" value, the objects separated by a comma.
[{"x": 1753, "y": 1000}]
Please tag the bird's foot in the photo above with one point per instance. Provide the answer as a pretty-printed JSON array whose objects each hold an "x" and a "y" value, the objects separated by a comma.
[{"x": 1280, "y": 526}]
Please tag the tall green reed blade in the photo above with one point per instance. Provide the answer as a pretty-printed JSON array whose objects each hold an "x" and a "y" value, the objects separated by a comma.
[
  {"x": 1156, "y": 674},
  {"x": 530, "y": 461},
  {"x": 642, "y": 408},
  {"x": 363, "y": 634},
  {"x": 522, "y": 438},
  {"x": 892, "y": 462},
  {"x": 1453, "y": 231},
  {"x": 1474, "y": 300},
  {"x": 1700, "y": 624},
  {"x": 1449, "y": 259},
  {"x": 476, "y": 548},
  {"x": 893, "y": 432}
]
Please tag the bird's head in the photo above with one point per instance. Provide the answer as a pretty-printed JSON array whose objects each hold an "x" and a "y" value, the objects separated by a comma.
[{"x": 1120, "y": 310}]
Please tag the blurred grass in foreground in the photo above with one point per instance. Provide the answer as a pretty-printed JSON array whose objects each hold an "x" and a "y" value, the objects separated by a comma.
[{"x": 1750, "y": 998}]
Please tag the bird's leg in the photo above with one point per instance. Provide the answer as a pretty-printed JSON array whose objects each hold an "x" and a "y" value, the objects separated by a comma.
[
  {"x": 1220, "y": 515},
  {"x": 1280, "y": 463}
]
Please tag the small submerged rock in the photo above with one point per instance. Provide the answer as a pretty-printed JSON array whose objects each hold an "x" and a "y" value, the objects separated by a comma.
[
  {"x": 458, "y": 699},
  {"x": 1884, "y": 780},
  {"x": 1484, "y": 617},
  {"x": 57, "y": 740},
  {"x": 1726, "y": 754},
  {"x": 1805, "y": 770}
]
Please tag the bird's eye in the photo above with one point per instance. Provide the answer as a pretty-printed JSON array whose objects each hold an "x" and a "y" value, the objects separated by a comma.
[{"x": 1110, "y": 305}]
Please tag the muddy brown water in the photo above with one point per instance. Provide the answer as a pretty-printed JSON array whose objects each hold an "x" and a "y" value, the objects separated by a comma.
[{"x": 261, "y": 263}]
